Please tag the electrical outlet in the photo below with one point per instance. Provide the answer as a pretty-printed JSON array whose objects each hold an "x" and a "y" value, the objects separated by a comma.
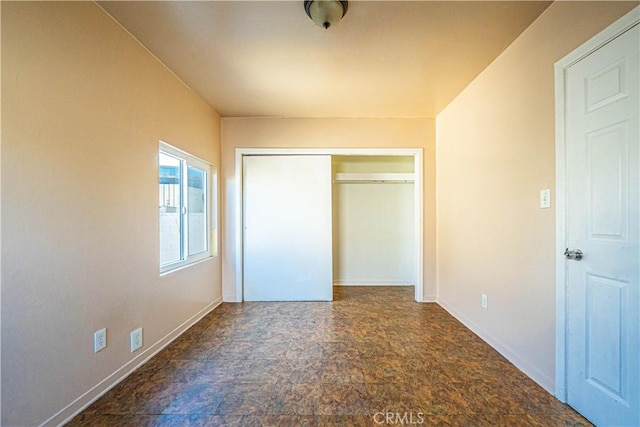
[
  {"x": 136, "y": 339},
  {"x": 99, "y": 340},
  {"x": 485, "y": 301}
]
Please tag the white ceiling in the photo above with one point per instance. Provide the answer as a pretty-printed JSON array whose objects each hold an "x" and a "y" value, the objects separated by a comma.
[{"x": 267, "y": 58}]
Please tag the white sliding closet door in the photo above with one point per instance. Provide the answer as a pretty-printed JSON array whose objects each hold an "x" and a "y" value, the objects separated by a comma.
[{"x": 287, "y": 228}]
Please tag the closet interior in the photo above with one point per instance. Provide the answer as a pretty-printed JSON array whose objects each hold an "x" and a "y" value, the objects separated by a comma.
[{"x": 373, "y": 220}]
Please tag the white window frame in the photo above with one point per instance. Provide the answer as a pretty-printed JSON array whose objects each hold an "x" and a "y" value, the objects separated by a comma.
[{"x": 190, "y": 160}]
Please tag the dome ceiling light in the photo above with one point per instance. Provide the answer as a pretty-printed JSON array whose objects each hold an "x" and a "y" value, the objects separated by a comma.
[{"x": 326, "y": 13}]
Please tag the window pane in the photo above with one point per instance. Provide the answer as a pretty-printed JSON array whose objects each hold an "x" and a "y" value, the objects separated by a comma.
[
  {"x": 197, "y": 210},
  {"x": 170, "y": 184}
]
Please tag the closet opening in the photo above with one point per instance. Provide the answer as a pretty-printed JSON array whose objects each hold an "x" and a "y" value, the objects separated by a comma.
[
  {"x": 376, "y": 219},
  {"x": 373, "y": 221}
]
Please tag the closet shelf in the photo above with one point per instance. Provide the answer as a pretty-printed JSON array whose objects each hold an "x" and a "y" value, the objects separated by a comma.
[{"x": 374, "y": 177}]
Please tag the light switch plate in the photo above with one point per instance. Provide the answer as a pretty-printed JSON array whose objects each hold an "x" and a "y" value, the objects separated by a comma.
[{"x": 545, "y": 198}]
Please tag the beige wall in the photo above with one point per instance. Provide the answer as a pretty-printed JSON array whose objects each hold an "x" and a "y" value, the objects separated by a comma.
[
  {"x": 0, "y": 219},
  {"x": 84, "y": 106},
  {"x": 495, "y": 148},
  {"x": 325, "y": 133}
]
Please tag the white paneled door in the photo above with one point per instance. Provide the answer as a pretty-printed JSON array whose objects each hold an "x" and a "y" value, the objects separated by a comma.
[
  {"x": 602, "y": 217},
  {"x": 287, "y": 228}
]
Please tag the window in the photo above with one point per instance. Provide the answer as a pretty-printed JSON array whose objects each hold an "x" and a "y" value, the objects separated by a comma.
[{"x": 184, "y": 184}]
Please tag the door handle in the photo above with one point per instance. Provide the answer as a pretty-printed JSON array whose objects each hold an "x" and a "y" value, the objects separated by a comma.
[{"x": 576, "y": 255}]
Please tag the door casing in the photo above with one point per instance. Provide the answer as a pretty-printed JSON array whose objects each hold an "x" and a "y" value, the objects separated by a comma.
[
  {"x": 614, "y": 30},
  {"x": 418, "y": 200}
]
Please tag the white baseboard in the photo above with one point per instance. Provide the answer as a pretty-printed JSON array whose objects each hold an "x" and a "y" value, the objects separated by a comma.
[
  {"x": 430, "y": 298},
  {"x": 230, "y": 298},
  {"x": 370, "y": 283},
  {"x": 518, "y": 361},
  {"x": 81, "y": 403}
]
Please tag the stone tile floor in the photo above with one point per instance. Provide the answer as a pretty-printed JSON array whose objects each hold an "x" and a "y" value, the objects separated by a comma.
[{"x": 371, "y": 357}]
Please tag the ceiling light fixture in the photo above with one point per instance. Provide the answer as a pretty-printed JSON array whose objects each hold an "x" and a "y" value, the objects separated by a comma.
[{"x": 326, "y": 13}]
